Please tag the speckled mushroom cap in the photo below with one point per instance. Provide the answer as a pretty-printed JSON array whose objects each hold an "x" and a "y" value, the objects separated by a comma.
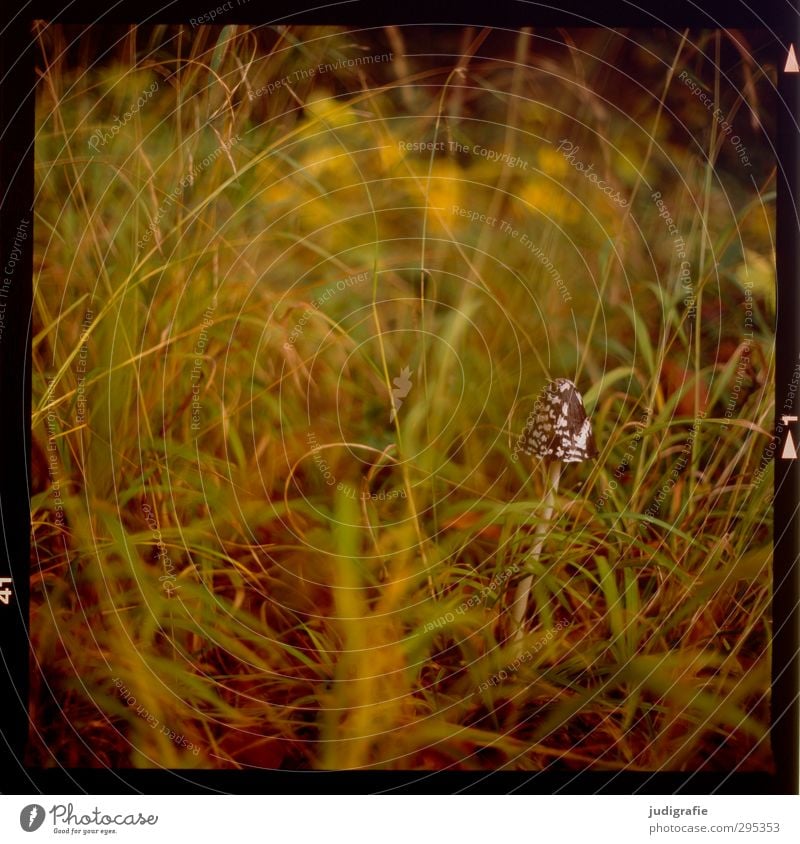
[{"x": 560, "y": 428}]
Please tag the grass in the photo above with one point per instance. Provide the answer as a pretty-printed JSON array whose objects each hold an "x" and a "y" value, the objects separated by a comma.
[{"x": 296, "y": 581}]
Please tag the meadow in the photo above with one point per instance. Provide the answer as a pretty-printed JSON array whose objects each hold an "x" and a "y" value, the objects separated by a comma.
[{"x": 297, "y": 290}]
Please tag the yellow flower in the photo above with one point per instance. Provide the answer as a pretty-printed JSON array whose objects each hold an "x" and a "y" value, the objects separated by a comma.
[
  {"x": 390, "y": 154},
  {"x": 329, "y": 112},
  {"x": 552, "y": 162},
  {"x": 552, "y": 200},
  {"x": 276, "y": 188},
  {"x": 324, "y": 158},
  {"x": 445, "y": 189},
  {"x": 757, "y": 273}
]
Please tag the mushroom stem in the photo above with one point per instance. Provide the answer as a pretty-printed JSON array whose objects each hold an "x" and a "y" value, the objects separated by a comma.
[{"x": 519, "y": 607}]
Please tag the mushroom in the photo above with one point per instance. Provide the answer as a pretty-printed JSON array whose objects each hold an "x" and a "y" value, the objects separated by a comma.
[{"x": 560, "y": 432}]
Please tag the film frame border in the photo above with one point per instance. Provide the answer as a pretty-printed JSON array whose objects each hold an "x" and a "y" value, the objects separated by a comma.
[{"x": 17, "y": 104}]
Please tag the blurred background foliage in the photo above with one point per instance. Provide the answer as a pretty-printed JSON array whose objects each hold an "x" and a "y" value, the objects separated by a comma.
[{"x": 227, "y": 285}]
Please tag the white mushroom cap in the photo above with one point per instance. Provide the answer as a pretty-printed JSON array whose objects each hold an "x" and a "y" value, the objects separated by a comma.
[{"x": 560, "y": 429}]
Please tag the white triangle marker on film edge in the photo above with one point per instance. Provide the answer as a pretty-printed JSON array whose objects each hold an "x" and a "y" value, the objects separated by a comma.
[
  {"x": 789, "y": 450},
  {"x": 791, "y": 61}
]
